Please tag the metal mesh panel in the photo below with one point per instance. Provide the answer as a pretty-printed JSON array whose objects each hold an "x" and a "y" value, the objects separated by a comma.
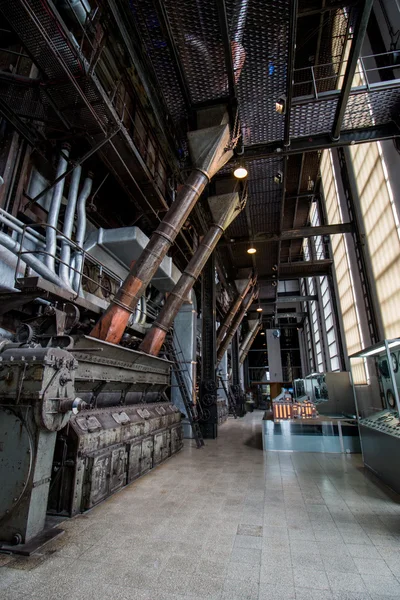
[
  {"x": 263, "y": 78},
  {"x": 312, "y": 117},
  {"x": 371, "y": 108},
  {"x": 197, "y": 34},
  {"x": 42, "y": 18},
  {"x": 30, "y": 103},
  {"x": 153, "y": 38}
]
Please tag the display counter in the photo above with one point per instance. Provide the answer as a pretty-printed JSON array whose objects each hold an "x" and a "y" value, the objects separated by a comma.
[{"x": 318, "y": 434}]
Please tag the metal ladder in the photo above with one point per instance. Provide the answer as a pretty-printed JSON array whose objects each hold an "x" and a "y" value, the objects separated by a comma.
[
  {"x": 231, "y": 401},
  {"x": 180, "y": 371}
]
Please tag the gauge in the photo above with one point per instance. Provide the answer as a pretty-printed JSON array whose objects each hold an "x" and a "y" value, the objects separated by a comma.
[
  {"x": 391, "y": 400},
  {"x": 395, "y": 362}
]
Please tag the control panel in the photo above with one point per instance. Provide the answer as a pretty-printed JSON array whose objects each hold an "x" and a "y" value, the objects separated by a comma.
[{"x": 386, "y": 421}]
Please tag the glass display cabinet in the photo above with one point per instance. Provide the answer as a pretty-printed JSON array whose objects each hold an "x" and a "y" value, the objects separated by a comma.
[
  {"x": 376, "y": 386},
  {"x": 330, "y": 392}
]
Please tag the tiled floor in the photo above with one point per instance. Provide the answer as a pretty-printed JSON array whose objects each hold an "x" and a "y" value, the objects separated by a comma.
[{"x": 227, "y": 523}]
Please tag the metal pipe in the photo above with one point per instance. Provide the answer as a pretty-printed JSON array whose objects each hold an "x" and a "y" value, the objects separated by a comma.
[
  {"x": 226, "y": 323},
  {"x": 248, "y": 341},
  {"x": 235, "y": 325},
  {"x": 81, "y": 229},
  {"x": 19, "y": 229},
  {"x": 290, "y": 69},
  {"x": 31, "y": 260},
  {"x": 51, "y": 234},
  {"x": 228, "y": 207},
  {"x": 68, "y": 225},
  {"x": 209, "y": 154}
]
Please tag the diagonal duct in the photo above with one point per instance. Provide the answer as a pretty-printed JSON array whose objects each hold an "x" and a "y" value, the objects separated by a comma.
[
  {"x": 243, "y": 286},
  {"x": 254, "y": 328},
  {"x": 224, "y": 210},
  {"x": 208, "y": 149},
  {"x": 235, "y": 325}
]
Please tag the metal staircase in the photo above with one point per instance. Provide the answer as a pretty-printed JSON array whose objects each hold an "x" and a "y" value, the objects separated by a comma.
[
  {"x": 231, "y": 400},
  {"x": 182, "y": 375}
]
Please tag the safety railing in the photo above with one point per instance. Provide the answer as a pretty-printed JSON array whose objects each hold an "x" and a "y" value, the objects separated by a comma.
[{"x": 373, "y": 71}]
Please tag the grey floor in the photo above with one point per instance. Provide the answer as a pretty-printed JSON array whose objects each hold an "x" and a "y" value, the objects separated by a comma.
[{"x": 228, "y": 523}]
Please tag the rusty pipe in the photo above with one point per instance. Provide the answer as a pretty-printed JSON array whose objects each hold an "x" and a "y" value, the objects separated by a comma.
[
  {"x": 230, "y": 315},
  {"x": 224, "y": 209},
  {"x": 235, "y": 325},
  {"x": 248, "y": 341},
  {"x": 112, "y": 324}
]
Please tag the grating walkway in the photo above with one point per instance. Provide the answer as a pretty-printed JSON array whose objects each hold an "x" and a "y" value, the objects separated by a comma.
[{"x": 225, "y": 522}]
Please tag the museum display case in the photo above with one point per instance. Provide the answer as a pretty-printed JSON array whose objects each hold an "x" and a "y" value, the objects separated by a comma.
[{"x": 376, "y": 385}]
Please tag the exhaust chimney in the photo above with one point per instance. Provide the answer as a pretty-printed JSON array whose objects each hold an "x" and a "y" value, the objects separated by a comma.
[
  {"x": 208, "y": 149},
  {"x": 224, "y": 210},
  {"x": 235, "y": 324}
]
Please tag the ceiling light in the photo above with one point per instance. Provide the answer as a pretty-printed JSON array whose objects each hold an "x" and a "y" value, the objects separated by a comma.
[
  {"x": 262, "y": 333},
  {"x": 264, "y": 344},
  {"x": 259, "y": 309},
  {"x": 280, "y": 105},
  {"x": 251, "y": 250},
  {"x": 278, "y": 178},
  {"x": 275, "y": 267},
  {"x": 274, "y": 283},
  {"x": 240, "y": 172}
]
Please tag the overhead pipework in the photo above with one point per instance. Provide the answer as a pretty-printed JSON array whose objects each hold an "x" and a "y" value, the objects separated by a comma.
[
  {"x": 236, "y": 323},
  {"x": 243, "y": 286}
]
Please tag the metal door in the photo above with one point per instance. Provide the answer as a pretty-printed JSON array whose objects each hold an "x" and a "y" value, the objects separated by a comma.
[
  {"x": 98, "y": 474},
  {"x": 118, "y": 469},
  {"x": 147, "y": 455},
  {"x": 135, "y": 459}
]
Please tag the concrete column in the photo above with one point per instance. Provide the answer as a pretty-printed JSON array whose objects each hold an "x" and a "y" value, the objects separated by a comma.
[{"x": 274, "y": 356}]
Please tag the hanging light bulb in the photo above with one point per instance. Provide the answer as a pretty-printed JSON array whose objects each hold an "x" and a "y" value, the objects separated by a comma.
[
  {"x": 240, "y": 172},
  {"x": 259, "y": 309},
  {"x": 251, "y": 250}
]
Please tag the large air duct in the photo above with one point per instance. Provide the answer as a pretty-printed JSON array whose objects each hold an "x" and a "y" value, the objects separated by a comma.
[
  {"x": 52, "y": 221},
  {"x": 68, "y": 224},
  {"x": 224, "y": 210},
  {"x": 208, "y": 149},
  {"x": 254, "y": 328},
  {"x": 81, "y": 230},
  {"x": 243, "y": 286},
  {"x": 235, "y": 325}
]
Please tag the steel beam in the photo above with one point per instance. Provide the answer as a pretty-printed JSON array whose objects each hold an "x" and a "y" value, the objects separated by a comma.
[
  {"x": 290, "y": 315},
  {"x": 223, "y": 23},
  {"x": 321, "y": 141},
  {"x": 290, "y": 69},
  {"x": 287, "y": 300},
  {"x": 294, "y": 234},
  {"x": 358, "y": 39}
]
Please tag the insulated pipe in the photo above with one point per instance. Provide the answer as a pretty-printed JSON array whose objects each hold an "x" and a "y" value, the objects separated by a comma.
[
  {"x": 32, "y": 261},
  {"x": 209, "y": 154},
  {"x": 19, "y": 229},
  {"x": 52, "y": 221},
  {"x": 234, "y": 327},
  {"x": 68, "y": 224},
  {"x": 81, "y": 229},
  {"x": 251, "y": 336},
  {"x": 154, "y": 339},
  {"x": 226, "y": 323}
]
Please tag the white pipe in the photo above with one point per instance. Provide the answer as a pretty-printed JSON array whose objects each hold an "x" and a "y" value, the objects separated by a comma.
[
  {"x": 52, "y": 221},
  {"x": 38, "y": 237},
  {"x": 68, "y": 224},
  {"x": 81, "y": 229},
  {"x": 32, "y": 261}
]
